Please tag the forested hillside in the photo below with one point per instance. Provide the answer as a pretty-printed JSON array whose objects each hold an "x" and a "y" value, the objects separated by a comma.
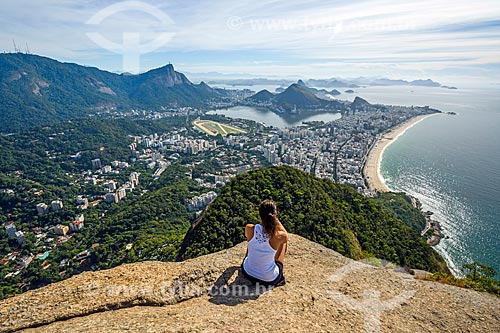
[
  {"x": 36, "y": 90},
  {"x": 319, "y": 209}
]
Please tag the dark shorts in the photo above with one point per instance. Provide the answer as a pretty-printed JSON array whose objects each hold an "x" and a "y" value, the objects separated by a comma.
[{"x": 279, "y": 281}]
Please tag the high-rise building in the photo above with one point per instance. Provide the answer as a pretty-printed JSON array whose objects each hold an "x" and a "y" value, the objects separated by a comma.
[
  {"x": 121, "y": 193},
  {"x": 201, "y": 201},
  {"x": 96, "y": 164},
  {"x": 75, "y": 226},
  {"x": 56, "y": 205},
  {"x": 82, "y": 202},
  {"x": 134, "y": 178},
  {"x": 42, "y": 209},
  {"x": 111, "y": 198},
  {"x": 10, "y": 229},
  {"x": 106, "y": 169},
  {"x": 20, "y": 237},
  {"x": 111, "y": 185},
  {"x": 61, "y": 230},
  {"x": 156, "y": 157}
]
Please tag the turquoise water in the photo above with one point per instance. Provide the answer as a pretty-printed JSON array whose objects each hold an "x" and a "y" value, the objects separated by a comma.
[{"x": 44, "y": 256}]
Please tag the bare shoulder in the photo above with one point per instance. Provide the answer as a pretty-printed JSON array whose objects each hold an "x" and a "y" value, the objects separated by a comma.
[
  {"x": 249, "y": 230},
  {"x": 282, "y": 236}
]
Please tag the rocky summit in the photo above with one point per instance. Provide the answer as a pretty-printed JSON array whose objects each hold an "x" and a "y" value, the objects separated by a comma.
[{"x": 325, "y": 292}]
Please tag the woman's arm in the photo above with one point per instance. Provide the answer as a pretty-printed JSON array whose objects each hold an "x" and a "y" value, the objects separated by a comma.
[
  {"x": 282, "y": 247},
  {"x": 285, "y": 240},
  {"x": 249, "y": 229}
]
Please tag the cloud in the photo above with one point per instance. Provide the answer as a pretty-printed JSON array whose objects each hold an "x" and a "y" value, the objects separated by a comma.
[{"x": 319, "y": 37}]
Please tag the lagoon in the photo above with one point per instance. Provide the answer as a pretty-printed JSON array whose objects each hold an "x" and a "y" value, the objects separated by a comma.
[{"x": 273, "y": 119}]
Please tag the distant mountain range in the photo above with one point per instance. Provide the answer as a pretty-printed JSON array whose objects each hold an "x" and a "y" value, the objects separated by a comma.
[
  {"x": 35, "y": 90},
  {"x": 330, "y": 83},
  {"x": 355, "y": 83},
  {"x": 320, "y": 92}
]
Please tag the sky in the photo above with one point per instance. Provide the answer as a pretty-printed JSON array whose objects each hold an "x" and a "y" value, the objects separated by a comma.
[{"x": 452, "y": 42}]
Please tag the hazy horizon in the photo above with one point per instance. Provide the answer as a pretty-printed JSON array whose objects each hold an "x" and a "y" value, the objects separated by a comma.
[{"x": 452, "y": 42}]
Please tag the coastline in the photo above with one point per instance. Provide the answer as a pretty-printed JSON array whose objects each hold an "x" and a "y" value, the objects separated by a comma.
[
  {"x": 371, "y": 169},
  {"x": 376, "y": 182}
]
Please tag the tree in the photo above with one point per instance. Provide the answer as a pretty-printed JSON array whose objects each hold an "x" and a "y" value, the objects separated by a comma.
[
  {"x": 476, "y": 271},
  {"x": 481, "y": 277}
]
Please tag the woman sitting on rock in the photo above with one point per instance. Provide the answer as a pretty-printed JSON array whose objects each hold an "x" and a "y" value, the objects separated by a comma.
[{"x": 267, "y": 242}]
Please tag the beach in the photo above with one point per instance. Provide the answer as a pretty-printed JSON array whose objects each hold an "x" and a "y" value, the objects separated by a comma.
[{"x": 372, "y": 166}]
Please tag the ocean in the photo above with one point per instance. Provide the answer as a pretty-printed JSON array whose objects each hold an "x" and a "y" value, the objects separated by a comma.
[{"x": 450, "y": 163}]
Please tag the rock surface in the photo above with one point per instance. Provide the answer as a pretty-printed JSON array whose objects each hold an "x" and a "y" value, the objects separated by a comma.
[{"x": 325, "y": 292}]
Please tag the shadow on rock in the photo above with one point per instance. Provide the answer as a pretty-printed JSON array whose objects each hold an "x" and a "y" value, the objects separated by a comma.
[{"x": 232, "y": 290}]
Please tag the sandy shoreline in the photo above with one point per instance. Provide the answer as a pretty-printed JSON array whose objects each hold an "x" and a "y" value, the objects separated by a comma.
[{"x": 371, "y": 170}]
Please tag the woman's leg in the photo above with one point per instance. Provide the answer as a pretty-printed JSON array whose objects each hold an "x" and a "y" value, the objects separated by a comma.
[{"x": 280, "y": 253}]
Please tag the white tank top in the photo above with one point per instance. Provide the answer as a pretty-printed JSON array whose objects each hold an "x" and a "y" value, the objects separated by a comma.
[{"x": 259, "y": 262}]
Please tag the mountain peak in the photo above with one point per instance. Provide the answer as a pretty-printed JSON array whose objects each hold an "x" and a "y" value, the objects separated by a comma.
[
  {"x": 360, "y": 101},
  {"x": 166, "y": 75},
  {"x": 301, "y": 83},
  {"x": 262, "y": 96},
  {"x": 296, "y": 86},
  {"x": 299, "y": 96},
  {"x": 360, "y": 104},
  {"x": 169, "y": 68},
  {"x": 324, "y": 292}
]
